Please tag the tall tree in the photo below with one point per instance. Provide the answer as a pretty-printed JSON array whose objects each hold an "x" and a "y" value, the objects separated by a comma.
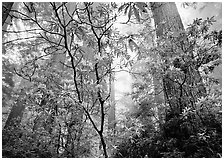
[
  {"x": 15, "y": 114},
  {"x": 167, "y": 21}
]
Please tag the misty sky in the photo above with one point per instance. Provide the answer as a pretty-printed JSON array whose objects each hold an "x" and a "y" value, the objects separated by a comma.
[{"x": 203, "y": 10}]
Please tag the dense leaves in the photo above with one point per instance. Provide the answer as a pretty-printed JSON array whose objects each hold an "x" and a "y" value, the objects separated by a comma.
[
  {"x": 59, "y": 62},
  {"x": 67, "y": 68},
  {"x": 197, "y": 130}
]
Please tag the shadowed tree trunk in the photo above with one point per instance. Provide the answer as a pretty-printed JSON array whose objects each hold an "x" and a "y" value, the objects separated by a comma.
[
  {"x": 15, "y": 113},
  {"x": 6, "y": 7},
  {"x": 111, "y": 112},
  {"x": 167, "y": 19},
  {"x": 111, "y": 117}
]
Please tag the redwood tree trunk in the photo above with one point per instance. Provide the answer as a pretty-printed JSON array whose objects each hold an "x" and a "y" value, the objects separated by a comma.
[
  {"x": 167, "y": 18},
  {"x": 111, "y": 112},
  {"x": 111, "y": 118},
  {"x": 16, "y": 112}
]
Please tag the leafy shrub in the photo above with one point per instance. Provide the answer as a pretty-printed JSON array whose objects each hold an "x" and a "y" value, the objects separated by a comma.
[{"x": 179, "y": 138}]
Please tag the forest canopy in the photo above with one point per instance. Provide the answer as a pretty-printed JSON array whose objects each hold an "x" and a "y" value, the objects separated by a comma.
[{"x": 60, "y": 62}]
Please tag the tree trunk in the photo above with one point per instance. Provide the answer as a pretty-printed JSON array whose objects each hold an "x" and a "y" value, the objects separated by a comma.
[
  {"x": 111, "y": 118},
  {"x": 167, "y": 18},
  {"x": 111, "y": 112},
  {"x": 6, "y": 7},
  {"x": 17, "y": 111},
  {"x": 104, "y": 145},
  {"x": 13, "y": 120},
  {"x": 15, "y": 114}
]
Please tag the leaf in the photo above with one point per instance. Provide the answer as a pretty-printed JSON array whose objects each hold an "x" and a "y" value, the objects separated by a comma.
[
  {"x": 122, "y": 7},
  {"x": 126, "y": 9},
  {"x": 129, "y": 13},
  {"x": 114, "y": 5},
  {"x": 175, "y": 34},
  {"x": 132, "y": 44},
  {"x": 142, "y": 6},
  {"x": 36, "y": 122},
  {"x": 212, "y": 19},
  {"x": 136, "y": 13},
  {"x": 189, "y": 4},
  {"x": 81, "y": 32}
]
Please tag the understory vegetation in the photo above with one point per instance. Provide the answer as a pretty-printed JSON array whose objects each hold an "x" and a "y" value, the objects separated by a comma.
[{"x": 59, "y": 66}]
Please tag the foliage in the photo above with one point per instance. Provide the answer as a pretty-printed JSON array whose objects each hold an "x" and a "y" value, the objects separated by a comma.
[
  {"x": 65, "y": 61},
  {"x": 197, "y": 130},
  {"x": 26, "y": 145},
  {"x": 136, "y": 9},
  {"x": 190, "y": 137},
  {"x": 65, "y": 53}
]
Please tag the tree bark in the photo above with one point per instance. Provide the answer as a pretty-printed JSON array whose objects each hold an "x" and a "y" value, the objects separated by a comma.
[
  {"x": 13, "y": 120},
  {"x": 167, "y": 19},
  {"x": 111, "y": 117},
  {"x": 111, "y": 112}
]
